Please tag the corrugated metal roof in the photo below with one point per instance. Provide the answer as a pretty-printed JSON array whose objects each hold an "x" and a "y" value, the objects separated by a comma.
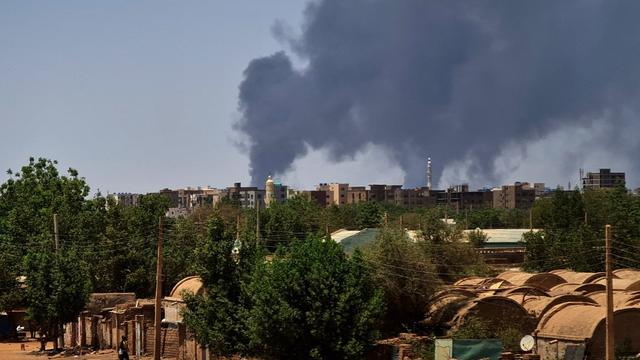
[
  {"x": 503, "y": 235},
  {"x": 359, "y": 239},
  {"x": 342, "y": 234}
]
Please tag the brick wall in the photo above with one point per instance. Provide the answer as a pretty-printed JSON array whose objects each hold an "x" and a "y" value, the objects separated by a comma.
[{"x": 170, "y": 338}]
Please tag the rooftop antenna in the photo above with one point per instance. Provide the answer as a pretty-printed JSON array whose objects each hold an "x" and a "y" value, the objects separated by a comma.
[{"x": 429, "y": 173}]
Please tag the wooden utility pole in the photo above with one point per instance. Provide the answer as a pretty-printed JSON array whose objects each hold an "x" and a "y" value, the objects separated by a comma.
[
  {"x": 158, "y": 306},
  {"x": 59, "y": 342},
  {"x": 56, "y": 237},
  {"x": 530, "y": 219},
  {"x": 257, "y": 222},
  {"x": 238, "y": 227},
  {"x": 610, "y": 343}
]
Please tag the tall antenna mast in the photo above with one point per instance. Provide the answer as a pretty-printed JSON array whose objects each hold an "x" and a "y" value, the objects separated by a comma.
[{"x": 429, "y": 173}]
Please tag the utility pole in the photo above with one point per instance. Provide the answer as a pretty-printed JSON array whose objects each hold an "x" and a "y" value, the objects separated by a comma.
[
  {"x": 610, "y": 343},
  {"x": 238, "y": 227},
  {"x": 56, "y": 239},
  {"x": 257, "y": 222},
  {"x": 157, "y": 339},
  {"x": 530, "y": 219},
  {"x": 55, "y": 231}
]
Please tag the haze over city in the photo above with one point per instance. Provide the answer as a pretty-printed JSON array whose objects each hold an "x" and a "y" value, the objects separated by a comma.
[{"x": 146, "y": 95}]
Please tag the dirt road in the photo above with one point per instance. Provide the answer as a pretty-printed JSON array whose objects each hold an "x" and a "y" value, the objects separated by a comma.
[{"x": 12, "y": 351}]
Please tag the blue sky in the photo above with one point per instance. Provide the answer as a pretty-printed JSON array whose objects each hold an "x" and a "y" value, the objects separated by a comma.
[{"x": 136, "y": 95}]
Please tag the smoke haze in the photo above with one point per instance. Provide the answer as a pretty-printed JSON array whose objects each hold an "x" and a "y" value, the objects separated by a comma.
[{"x": 488, "y": 89}]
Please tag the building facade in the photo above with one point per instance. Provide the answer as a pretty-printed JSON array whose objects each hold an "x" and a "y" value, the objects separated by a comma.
[
  {"x": 357, "y": 194},
  {"x": 516, "y": 196},
  {"x": 247, "y": 197},
  {"x": 603, "y": 179}
]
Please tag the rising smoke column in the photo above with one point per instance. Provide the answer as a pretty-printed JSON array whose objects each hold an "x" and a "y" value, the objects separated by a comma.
[{"x": 456, "y": 80}]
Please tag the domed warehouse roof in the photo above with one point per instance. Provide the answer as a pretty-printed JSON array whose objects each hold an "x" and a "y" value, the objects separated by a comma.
[
  {"x": 582, "y": 322},
  {"x": 544, "y": 281},
  {"x": 191, "y": 284},
  {"x": 577, "y": 277}
]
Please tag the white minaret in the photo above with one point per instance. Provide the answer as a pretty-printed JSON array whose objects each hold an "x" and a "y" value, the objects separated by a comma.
[
  {"x": 269, "y": 192},
  {"x": 429, "y": 172}
]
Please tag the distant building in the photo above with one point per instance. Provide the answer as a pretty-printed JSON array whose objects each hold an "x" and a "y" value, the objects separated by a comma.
[
  {"x": 410, "y": 198},
  {"x": 383, "y": 193},
  {"x": 172, "y": 195},
  {"x": 319, "y": 197},
  {"x": 357, "y": 194},
  {"x": 246, "y": 196},
  {"x": 516, "y": 196},
  {"x": 281, "y": 192},
  {"x": 603, "y": 179},
  {"x": 336, "y": 193},
  {"x": 190, "y": 198},
  {"x": 128, "y": 199},
  {"x": 460, "y": 198}
]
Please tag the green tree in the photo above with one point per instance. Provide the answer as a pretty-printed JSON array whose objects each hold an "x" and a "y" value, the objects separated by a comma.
[
  {"x": 407, "y": 276},
  {"x": 180, "y": 247},
  {"x": 369, "y": 215},
  {"x": 312, "y": 302},
  {"x": 477, "y": 238},
  {"x": 453, "y": 257},
  {"x": 216, "y": 318},
  {"x": 57, "y": 288},
  {"x": 57, "y": 283}
]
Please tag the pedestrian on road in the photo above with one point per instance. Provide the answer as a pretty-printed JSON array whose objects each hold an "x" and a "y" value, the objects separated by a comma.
[{"x": 123, "y": 353}]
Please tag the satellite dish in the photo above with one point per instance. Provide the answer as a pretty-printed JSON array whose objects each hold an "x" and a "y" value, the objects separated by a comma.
[{"x": 527, "y": 343}]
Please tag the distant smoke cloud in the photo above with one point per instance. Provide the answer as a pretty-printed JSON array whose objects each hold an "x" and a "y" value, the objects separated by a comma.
[{"x": 460, "y": 81}]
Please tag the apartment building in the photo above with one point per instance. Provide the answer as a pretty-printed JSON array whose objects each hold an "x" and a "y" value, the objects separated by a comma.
[
  {"x": 128, "y": 199},
  {"x": 357, "y": 194},
  {"x": 603, "y": 179},
  {"x": 246, "y": 196},
  {"x": 516, "y": 196}
]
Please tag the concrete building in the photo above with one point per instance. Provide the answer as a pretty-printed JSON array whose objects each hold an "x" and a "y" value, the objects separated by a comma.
[
  {"x": 603, "y": 179},
  {"x": 172, "y": 195},
  {"x": 190, "y": 198},
  {"x": 128, "y": 199},
  {"x": 319, "y": 197},
  {"x": 412, "y": 197},
  {"x": 336, "y": 193},
  {"x": 460, "y": 198},
  {"x": 383, "y": 193},
  {"x": 246, "y": 196},
  {"x": 281, "y": 192},
  {"x": 516, "y": 196},
  {"x": 357, "y": 194}
]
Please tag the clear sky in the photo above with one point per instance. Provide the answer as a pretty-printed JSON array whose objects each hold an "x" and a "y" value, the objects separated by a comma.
[{"x": 136, "y": 95}]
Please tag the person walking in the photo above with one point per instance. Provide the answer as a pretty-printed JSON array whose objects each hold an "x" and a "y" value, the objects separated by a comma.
[{"x": 123, "y": 352}]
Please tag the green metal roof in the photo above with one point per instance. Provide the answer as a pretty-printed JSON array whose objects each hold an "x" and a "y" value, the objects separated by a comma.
[{"x": 359, "y": 239}]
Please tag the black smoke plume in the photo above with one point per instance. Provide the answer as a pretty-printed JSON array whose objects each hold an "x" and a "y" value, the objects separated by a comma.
[{"x": 452, "y": 79}]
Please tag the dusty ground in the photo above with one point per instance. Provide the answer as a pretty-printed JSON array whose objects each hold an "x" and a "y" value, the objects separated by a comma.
[{"x": 11, "y": 351}]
